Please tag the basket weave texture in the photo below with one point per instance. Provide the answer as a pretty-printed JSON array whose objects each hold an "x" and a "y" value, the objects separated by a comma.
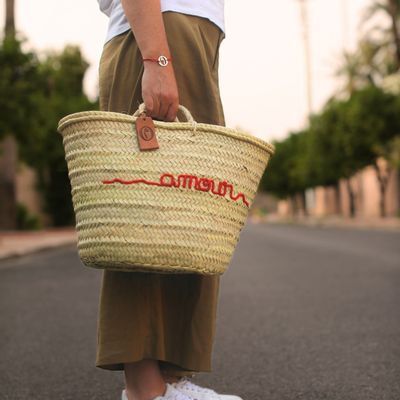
[{"x": 176, "y": 209}]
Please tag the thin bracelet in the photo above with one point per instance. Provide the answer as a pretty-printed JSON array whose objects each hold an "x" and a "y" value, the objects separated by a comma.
[{"x": 162, "y": 60}]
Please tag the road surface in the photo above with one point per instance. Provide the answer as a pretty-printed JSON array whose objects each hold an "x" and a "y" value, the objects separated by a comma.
[{"x": 304, "y": 313}]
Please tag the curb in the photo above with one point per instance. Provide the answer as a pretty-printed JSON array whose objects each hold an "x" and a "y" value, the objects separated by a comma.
[
  {"x": 19, "y": 244},
  {"x": 385, "y": 225}
]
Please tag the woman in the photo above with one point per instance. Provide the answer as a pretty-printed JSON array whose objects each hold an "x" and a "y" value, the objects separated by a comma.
[{"x": 160, "y": 328}]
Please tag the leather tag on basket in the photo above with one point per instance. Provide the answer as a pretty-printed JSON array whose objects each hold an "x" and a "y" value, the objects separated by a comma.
[{"x": 146, "y": 133}]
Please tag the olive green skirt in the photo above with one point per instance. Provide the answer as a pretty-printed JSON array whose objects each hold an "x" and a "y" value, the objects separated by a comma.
[{"x": 169, "y": 318}]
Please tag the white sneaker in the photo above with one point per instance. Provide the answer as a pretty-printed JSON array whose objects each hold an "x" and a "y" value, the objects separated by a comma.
[
  {"x": 170, "y": 394},
  {"x": 196, "y": 392}
]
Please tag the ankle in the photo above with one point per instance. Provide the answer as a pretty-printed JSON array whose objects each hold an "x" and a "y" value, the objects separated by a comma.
[
  {"x": 137, "y": 394},
  {"x": 143, "y": 380}
]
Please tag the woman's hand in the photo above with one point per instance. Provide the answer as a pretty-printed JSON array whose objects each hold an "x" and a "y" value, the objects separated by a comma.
[{"x": 160, "y": 91}]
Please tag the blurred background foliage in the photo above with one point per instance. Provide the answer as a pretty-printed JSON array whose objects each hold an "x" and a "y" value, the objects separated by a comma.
[
  {"x": 357, "y": 125},
  {"x": 35, "y": 93}
]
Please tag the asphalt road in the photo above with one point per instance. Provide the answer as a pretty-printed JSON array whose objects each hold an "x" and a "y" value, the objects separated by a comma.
[{"x": 304, "y": 313}]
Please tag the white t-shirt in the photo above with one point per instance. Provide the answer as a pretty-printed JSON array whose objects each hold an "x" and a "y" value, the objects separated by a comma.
[{"x": 211, "y": 9}]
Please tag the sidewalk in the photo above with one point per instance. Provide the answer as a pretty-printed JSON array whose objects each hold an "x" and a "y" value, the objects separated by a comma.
[
  {"x": 387, "y": 224},
  {"x": 19, "y": 243}
]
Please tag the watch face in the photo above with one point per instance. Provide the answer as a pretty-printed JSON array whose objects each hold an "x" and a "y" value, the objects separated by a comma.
[{"x": 163, "y": 61}]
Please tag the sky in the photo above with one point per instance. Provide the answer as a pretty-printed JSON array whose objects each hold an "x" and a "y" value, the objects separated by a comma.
[{"x": 262, "y": 64}]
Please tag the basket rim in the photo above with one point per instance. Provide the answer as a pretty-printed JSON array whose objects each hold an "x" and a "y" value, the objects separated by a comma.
[{"x": 111, "y": 116}]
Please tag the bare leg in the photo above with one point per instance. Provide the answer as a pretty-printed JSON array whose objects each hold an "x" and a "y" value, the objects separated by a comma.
[{"x": 143, "y": 380}]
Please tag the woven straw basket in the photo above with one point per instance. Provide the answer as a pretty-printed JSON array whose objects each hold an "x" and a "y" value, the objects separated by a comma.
[{"x": 175, "y": 209}]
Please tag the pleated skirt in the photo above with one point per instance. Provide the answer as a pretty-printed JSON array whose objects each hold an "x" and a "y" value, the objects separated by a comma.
[{"x": 164, "y": 317}]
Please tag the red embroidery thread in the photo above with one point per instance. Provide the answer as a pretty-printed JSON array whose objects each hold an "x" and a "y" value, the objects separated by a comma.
[{"x": 202, "y": 184}]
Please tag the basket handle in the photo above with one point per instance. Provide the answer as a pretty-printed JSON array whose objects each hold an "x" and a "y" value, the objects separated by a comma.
[{"x": 142, "y": 109}]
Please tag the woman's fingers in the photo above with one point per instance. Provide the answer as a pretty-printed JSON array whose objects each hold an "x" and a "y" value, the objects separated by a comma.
[
  {"x": 164, "y": 105},
  {"x": 168, "y": 106},
  {"x": 149, "y": 104},
  {"x": 164, "y": 110},
  {"x": 172, "y": 111}
]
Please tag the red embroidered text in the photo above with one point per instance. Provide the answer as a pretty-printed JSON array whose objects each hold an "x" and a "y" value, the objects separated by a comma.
[{"x": 188, "y": 181}]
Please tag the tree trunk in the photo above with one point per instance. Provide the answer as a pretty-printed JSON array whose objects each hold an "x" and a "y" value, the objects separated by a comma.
[
  {"x": 383, "y": 180},
  {"x": 352, "y": 202},
  {"x": 303, "y": 203},
  {"x": 9, "y": 28},
  {"x": 338, "y": 202},
  {"x": 293, "y": 204},
  {"x": 394, "y": 13},
  {"x": 398, "y": 192},
  {"x": 8, "y": 166},
  {"x": 8, "y": 153}
]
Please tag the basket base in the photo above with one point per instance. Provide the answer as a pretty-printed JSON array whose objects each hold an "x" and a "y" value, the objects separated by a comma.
[{"x": 147, "y": 268}]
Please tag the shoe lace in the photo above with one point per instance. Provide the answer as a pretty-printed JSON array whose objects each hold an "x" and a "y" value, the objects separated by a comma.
[{"x": 187, "y": 383}]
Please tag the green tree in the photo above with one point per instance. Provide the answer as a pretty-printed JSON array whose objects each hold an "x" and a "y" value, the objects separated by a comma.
[
  {"x": 34, "y": 96},
  {"x": 61, "y": 76},
  {"x": 19, "y": 90},
  {"x": 19, "y": 109},
  {"x": 345, "y": 137},
  {"x": 372, "y": 126},
  {"x": 285, "y": 176},
  {"x": 325, "y": 156}
]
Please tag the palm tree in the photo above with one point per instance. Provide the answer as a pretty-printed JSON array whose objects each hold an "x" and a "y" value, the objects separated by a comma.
[
  {"x": 10, "y": 18},
  {"x": 394, "y": 10},
  {"x": 368, "y": 65},
  {"x": 389, "y": 37},
  {"x": 350, "y": 71},
  {"x": 8, "y": 153}
]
